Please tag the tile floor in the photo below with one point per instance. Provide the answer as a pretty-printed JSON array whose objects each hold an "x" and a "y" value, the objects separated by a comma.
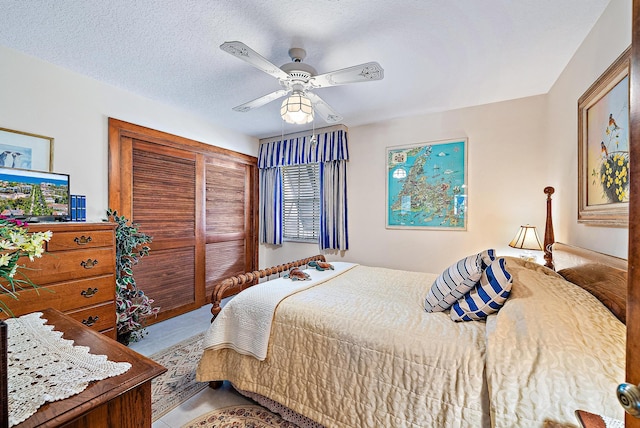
[{"x": 169, "y": 332}]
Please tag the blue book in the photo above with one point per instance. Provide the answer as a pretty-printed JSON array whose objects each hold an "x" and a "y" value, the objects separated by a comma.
[
  {"x": 74, "y": 208},
  {"x": 82, "y": 214}
]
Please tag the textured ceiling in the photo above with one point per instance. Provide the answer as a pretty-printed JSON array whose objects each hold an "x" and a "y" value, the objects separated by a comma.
[{"x": 437, "y": 54}]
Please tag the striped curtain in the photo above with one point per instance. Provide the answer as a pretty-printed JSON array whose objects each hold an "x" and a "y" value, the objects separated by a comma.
[
  {"x": 330, "y": 146},
  {"x": 270, "y": 206},
  {"x": 333, "y": 206},
  {"x": 331, "y": 151}
]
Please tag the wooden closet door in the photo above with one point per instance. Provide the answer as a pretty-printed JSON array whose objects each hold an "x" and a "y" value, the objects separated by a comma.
[
  {"x": 230, "y": 228},
  {"x": 166, "y": 206},
  {"x": 199, "y": 203},
  {"x": 160, "y": 190}
]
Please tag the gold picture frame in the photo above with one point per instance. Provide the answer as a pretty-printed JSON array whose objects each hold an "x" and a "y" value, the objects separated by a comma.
[
  {"x": 25, "y": 150},
  {"x": 603, "y": 148}
]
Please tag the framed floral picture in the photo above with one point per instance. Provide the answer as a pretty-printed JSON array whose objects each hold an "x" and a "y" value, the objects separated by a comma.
[
  {"x": 603, "y": 148},
  {"x": 25, "y": 151},
  {"x": 427, "y": 186}
]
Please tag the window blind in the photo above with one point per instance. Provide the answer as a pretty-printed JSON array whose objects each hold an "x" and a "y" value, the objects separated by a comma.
[{"x": 301, "y": 202}]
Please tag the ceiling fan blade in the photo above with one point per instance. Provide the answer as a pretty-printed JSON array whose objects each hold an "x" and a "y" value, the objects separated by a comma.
[
  {"x": 259, "y": 102},
  {"x": 245, "y": 53},
  {"x": 328, "y": 114},
  {"x": 358, "y": 73}
]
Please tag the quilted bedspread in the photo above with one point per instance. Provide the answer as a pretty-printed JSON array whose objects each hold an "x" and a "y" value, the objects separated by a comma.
[
  {"x": 552, "y": 349},
  {"x": 360, "y": 351}
]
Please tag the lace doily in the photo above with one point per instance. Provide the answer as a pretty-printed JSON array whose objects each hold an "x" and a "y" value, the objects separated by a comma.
[{"x": 44, "y": 367}]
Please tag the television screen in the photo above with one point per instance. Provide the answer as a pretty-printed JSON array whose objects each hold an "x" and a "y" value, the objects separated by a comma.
[{"x": 34, "y": 195}]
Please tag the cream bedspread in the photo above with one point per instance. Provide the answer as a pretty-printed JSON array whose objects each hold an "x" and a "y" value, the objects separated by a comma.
[
  {"x": 553, "y": 348},
  {"x": 360, "y": 351},
  {"x": 409, "y": 368}
]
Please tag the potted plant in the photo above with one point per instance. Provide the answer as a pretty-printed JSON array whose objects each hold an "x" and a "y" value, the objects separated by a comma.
[{"x": 133, "y": 306}]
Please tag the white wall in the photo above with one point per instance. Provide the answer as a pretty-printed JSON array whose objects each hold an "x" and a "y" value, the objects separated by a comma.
[
  {"x": 40, "y": 98},
  {"x": 516, "y": 148},
  {"x": 608, "y": 39},
  {"x": 505, "y": 186}
]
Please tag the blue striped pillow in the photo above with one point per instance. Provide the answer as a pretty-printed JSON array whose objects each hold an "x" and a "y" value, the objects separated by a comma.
[
  {"x": 457, "y": 280},
  {"x": 487, "y": 297}
]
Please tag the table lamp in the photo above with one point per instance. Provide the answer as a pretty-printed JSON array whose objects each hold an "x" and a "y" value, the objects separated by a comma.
[{"x": 527, "y": 239}]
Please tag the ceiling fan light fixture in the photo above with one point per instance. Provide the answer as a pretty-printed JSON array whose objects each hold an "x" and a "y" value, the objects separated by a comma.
[
  {"x": 300, "y": 80},
  {"x": 297, "y": 109}
]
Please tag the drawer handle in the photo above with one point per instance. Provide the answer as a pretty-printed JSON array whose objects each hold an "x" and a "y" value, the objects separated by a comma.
[
  {"x": 82, "y": 240},
  {"x": 90, "y": 263},
  {"x": 90, "y": 321},
  {"x": 89, "y": 292}
]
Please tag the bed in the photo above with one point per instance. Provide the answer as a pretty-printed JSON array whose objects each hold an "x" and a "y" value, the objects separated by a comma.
[{"x": 354, "y": 347}]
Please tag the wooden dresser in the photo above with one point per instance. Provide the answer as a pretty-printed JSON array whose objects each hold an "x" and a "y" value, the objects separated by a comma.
[
  {"x": 76, "y": 275},
  {"x": 122, "y": 401}
]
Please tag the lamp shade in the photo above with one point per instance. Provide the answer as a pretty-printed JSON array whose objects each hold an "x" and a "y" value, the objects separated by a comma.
[
  {"x": 526, "y": 239},
  {"x": 297, "y": 109}
]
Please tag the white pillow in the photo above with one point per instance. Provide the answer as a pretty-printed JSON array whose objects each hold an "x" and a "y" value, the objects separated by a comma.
[
  {"x": 487, "y": 296},
  {"x": 457, "y": 280}
]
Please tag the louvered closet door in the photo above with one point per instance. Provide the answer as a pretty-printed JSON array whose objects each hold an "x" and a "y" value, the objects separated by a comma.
[
  {"x": 198, "y": 201},
  {"x": 229, "y": 228},
  {"x": 165, "y": 205}
]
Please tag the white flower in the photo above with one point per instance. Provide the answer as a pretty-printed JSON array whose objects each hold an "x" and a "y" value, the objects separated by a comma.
[
  {"x": 13, "y": 270},
  {"x": 7, "y": 245},
  {"x": 17, "y": 238},
  {"x": 4, "y": 259}
]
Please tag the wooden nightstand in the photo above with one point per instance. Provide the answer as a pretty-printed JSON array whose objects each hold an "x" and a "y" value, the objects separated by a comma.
[{"x": 122, "y": 401}]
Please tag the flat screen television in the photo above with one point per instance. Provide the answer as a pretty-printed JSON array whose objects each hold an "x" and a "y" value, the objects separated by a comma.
[{"x": 34, "y": 196}]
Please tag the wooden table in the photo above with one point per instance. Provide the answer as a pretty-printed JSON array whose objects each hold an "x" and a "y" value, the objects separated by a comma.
[{"x": 122, "y": 401}]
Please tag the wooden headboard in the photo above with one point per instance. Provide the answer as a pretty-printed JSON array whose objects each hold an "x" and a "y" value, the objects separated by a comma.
[
  {"x": 602, "y": 275},
  {"x": 567, "y": 256}
]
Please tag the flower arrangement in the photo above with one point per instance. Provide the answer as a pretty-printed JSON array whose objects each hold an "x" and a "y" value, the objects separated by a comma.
[
  {"x": 133, "y": 306},
  {"x": 614, "y": 176},
  {"x": 613, "y": 171},
  {"x": 15, "y": 242}
]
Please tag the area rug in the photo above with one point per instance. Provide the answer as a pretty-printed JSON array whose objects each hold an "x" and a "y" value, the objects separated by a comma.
[
  {"x": 178, "y": 384},
  {"x": 239, "y": 416}
]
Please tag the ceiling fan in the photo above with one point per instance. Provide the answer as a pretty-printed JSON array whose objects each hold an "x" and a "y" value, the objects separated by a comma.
[{"x": 300, "y": 80}]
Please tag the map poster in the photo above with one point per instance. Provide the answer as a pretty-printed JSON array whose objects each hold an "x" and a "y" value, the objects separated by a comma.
[{"x": 426, "y": 185}]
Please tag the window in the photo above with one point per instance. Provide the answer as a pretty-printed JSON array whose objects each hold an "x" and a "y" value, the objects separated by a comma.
[{"x": 301, "y": 202}]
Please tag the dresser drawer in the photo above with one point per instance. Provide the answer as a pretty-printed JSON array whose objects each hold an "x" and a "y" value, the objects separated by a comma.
[
  {"x": 27, "y": 303},
  {"x": 69, "y": 265},
  {"x": 99, "y": 317},
  {"x": 85, "y": 292},
  {"x": 90, "y": 291},
  {"x": 64, "y": 296},
  {"x": 61, "y": 241}
]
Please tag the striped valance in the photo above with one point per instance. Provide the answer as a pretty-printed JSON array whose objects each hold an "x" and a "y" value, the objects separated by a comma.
[{"x": 300, "y": 149}]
